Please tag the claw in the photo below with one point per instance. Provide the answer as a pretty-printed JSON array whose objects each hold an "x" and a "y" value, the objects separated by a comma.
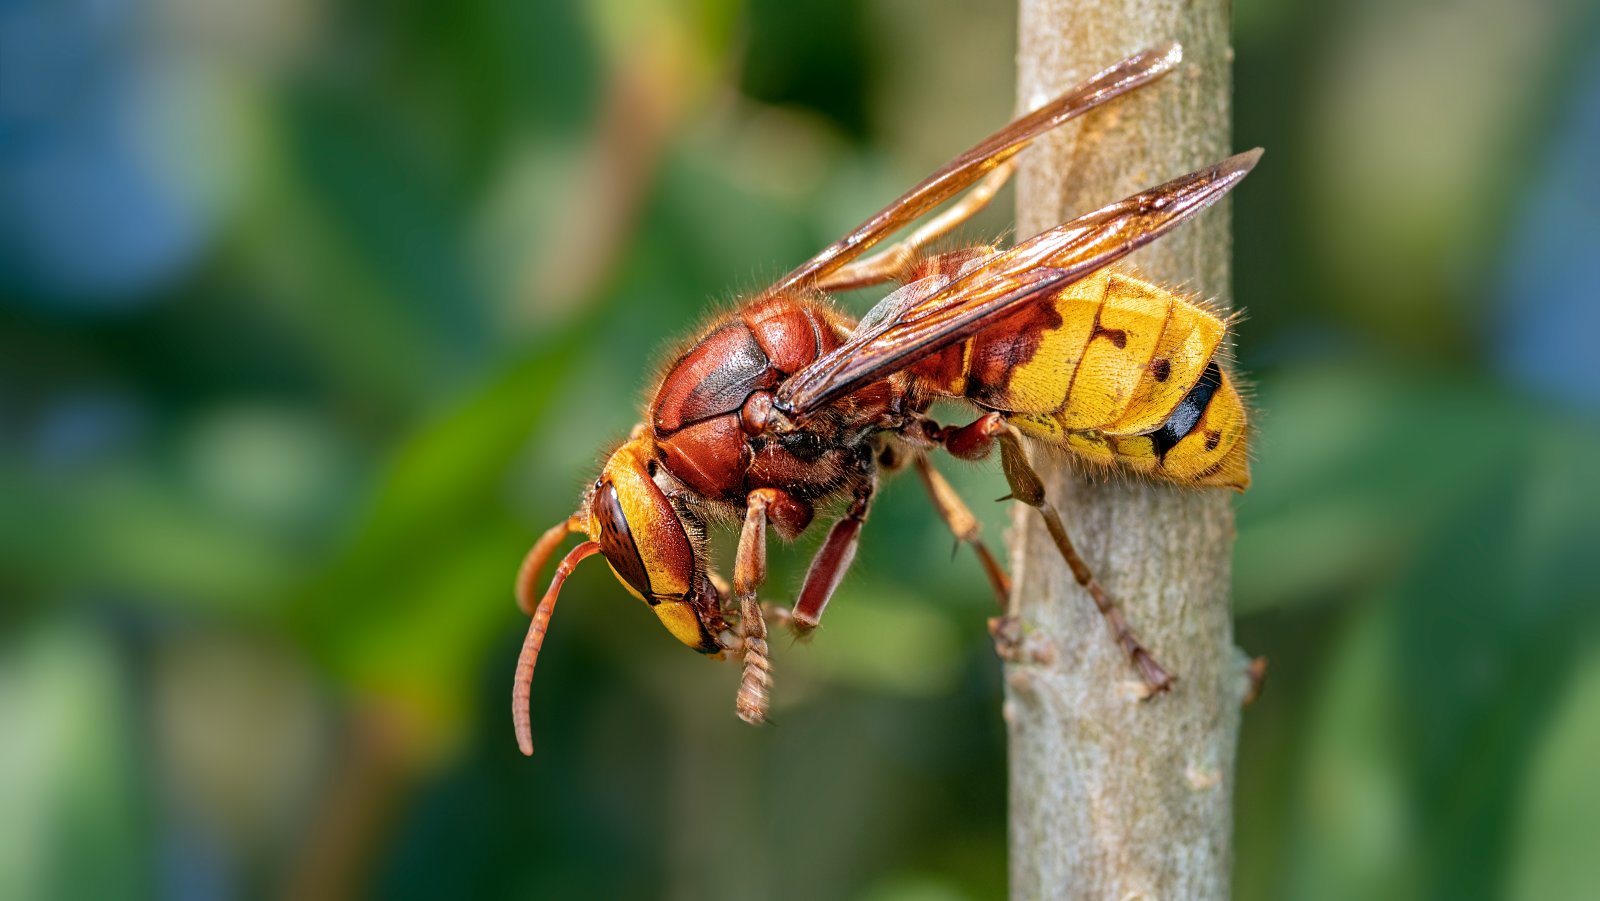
[{"x": 1156, "y": 678}]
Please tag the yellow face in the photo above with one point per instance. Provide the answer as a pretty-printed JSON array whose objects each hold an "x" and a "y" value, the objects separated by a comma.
[{"x": 646, "y": 545}]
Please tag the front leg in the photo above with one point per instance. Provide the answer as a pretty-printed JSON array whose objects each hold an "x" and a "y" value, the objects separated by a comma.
[{"x": 749, "y": 571}]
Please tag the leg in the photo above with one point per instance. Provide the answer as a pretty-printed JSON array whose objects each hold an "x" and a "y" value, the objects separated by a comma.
[
  {"x": 771, "y": 613},
  {"x": 892, "y": 262},
  {"x": 724, "y": 589},
  {"x": 1256, "y": 672},
  {"x": 833, "y": 559},
  {"x": 963, "y": 525},
  {"x": 538, "y": 556},
  {"x": 753, "y": 701},
  {"x": 1028, "y": 488},
  {"x": 749, "y": 571},
  {"x": 972, "y": 442}
]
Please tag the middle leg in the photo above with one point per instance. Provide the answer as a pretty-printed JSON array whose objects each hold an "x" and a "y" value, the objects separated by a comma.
[
  {"x": 959, "y": 518},
  {"x": 832, "y": 561}
]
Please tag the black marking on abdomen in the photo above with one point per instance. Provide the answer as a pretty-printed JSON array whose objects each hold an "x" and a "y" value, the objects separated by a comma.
[
  {"x": 1116, "y": 336},
  {"x": 1183, "y": 419}
]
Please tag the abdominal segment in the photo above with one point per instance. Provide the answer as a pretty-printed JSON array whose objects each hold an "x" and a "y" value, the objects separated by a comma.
[{"x": 1116, "y": 370}]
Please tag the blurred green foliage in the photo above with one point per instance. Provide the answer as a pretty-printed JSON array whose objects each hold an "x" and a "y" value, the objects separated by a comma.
[{"x": 315, "y": 315}]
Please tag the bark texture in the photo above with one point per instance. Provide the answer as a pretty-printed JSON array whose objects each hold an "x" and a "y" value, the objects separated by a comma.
[{"x": 1113, "y": 797}]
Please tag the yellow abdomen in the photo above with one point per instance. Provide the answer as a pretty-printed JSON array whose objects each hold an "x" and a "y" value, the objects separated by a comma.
[{"x": 1116, "y": 370}]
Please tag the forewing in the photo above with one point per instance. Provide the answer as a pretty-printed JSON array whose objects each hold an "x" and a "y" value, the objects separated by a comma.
[
  {"x": 967, "y": 168},
  {"x": 1044, "y": 263}
]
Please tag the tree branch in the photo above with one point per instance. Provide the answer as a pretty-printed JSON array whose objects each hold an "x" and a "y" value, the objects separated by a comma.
[{"x": 1111, "y": 796}]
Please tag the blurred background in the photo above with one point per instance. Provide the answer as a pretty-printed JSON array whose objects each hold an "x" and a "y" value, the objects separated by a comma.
[{"x": 315, "y": 314}]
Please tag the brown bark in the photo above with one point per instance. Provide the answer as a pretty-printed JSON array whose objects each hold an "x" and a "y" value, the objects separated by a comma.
[{"x": 1113, "y": 796}]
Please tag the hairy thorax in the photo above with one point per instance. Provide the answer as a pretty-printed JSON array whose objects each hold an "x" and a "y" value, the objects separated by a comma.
[{"x": 712, "y": 419}]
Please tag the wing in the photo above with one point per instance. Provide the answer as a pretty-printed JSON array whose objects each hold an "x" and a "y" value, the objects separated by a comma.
[
  {"x": 1136, "y": 70},
  {"x": 1038, "y": 266}
]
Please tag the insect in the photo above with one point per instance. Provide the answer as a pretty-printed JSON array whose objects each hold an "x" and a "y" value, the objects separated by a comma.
[{"x": 787, "y": 404}]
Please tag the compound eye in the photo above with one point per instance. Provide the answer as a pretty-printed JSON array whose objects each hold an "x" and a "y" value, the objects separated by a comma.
[
  {"x": 640, "y": 531},
  {"x": 616, "y": 540}
]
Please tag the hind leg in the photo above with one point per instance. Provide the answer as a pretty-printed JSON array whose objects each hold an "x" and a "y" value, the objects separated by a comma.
[{"x": 973, "y": 442}]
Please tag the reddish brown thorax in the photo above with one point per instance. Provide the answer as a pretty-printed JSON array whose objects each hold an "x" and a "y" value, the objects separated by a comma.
[{"x": 710, "y": 416}]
